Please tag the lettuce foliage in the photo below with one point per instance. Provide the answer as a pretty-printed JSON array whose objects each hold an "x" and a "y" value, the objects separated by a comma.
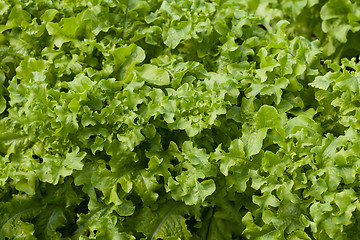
[{"x": 179, "y": 119}]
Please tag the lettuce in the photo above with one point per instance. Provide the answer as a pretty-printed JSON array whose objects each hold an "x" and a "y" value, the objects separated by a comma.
[{"x": 179, "y": 119}]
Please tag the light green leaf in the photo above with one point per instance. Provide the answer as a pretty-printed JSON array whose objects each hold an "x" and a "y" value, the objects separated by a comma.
[
  {"x": 255, "y": 141},
  {"x": 272, "y": 164},
  {"x": 66, "y": 33},
  {"x": 266, "y": 200},
  {"x": 321, "y": 82},
  {"x": 235, "y": 156},
  {"x": 101, "y": 223},
  {"x": 129, "y": 55},
  {"x": 2, "y": 104},
  {"x": 176, "y": 34},
  {"x": 55, "y": 167},
  {"x": 154, "y": 75},
  {"x": 267, "y": 117}
]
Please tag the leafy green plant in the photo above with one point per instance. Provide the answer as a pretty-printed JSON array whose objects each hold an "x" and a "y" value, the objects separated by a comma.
[{"x": 179, "y": 119}]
